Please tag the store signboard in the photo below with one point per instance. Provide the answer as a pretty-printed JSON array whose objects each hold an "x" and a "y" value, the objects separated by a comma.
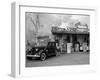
[{"x": 70, "y": 29}]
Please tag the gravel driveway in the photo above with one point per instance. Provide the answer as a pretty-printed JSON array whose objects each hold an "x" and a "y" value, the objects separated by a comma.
[{"x": 64, "y": 59}]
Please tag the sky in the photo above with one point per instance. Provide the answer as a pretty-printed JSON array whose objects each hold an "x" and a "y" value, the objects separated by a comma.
[{"x": 48, "y": 20}]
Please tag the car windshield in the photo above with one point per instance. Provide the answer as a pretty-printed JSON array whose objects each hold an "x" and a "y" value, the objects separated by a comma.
[{"x": 51, "y": 44}]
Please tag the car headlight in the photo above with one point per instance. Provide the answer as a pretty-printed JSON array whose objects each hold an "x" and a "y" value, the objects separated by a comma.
[{"x": 36, "y": 49}]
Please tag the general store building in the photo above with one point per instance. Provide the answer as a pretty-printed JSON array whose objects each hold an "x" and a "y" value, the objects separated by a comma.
[{"x": 72, "y": 39}]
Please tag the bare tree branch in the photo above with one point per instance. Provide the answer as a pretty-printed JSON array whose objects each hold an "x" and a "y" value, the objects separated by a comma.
[{"x": 32, "y": 21}]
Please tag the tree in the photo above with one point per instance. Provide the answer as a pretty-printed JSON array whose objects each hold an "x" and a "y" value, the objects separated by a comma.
[{"x": 36, "y": 23}]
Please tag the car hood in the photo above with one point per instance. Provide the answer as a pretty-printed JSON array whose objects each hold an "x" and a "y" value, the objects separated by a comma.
[{"x": 35, "y": 50}]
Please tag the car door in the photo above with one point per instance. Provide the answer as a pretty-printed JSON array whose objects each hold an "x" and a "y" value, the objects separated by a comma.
[
  {"x": 52, "y": 48},
  {"x": 48, "y": 50}
]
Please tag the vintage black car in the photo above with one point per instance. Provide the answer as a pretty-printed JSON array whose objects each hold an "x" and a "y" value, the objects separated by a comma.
[{"x": 43, "y": 52}]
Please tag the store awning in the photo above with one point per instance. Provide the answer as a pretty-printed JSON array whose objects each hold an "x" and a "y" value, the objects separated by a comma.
[{"x": 69, "y": 31}]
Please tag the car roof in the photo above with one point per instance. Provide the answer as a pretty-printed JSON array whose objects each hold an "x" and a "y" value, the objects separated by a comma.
[{"x": 52, "y": 42}]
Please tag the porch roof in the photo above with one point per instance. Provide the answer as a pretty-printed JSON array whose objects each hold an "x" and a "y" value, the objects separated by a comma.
[{"x": 69, "y": 32}]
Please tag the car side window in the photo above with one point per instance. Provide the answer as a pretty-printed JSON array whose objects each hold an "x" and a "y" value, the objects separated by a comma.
[
  {"x": 48, "y": 44},
  {"x": 51, "y": 44}
]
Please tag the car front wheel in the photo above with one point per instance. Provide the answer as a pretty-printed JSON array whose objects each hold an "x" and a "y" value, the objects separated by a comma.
[{"x": 43, "y": 56}]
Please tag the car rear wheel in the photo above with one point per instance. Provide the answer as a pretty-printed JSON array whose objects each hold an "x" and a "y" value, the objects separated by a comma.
[{"x": 43, "y": 56}]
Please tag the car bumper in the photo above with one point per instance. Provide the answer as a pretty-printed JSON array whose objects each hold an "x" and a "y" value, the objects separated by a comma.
[{"x": 33, "y": 56}]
